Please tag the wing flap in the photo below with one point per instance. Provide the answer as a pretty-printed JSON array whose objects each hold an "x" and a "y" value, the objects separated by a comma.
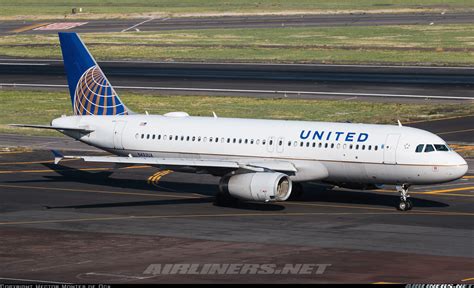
[
  {"x": 157, "y": 161},
  {"x": 184, "y": 162}
]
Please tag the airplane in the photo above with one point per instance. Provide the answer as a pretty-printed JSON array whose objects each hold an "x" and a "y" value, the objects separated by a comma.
[{"x": 257, "y": 160}]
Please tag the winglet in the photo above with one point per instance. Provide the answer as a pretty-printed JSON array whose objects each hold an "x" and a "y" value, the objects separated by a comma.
[{"x": 57, "y": 156}]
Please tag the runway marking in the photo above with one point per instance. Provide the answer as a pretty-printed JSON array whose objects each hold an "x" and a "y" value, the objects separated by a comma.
[
  {"x": 60, "y": 26},
  {"x": 263, "y": 64},
  {"x": 274, "y": 92},
  {"x": 458, "y": 131},
  {"x": 29, "y": 27},
  {"x": 155, "y": 178},
  {"x": 119, "y": 275},
  {"x": 425, "y": 193},
  {"x": 450, "y": 190},
  {"x": 34, "y": 162},
  {"x": 50, "y": 170},
  {"x": 438, "y": 119},
  {"x": 60, "y": 265},
  {"x": 33, "y": 280},
  {"x": 132, "y": 217},
  {"x": 98, "y": 191},
  {"x": 71, "y": 169},
  {"x": 381, "y": 209},
  {"x": 136, "y": 25},
  {"x": 15, "y": 152}
]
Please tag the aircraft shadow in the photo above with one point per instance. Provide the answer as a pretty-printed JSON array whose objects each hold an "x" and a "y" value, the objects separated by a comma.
[
  {"x": 313, "y": 192},
  {"x": 323, "y": 193}
]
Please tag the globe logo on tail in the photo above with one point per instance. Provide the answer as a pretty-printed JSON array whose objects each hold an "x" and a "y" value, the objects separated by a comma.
[{"x": 95, "y": 96}]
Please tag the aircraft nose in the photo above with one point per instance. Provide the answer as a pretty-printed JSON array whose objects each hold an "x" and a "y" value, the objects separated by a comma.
[{"x": 461, "y": 168}]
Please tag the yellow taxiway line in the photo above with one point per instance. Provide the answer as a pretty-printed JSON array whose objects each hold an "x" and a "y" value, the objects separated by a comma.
[
  {"x": 155, "y": 178},
  {"x": 449, "y": 190},
  {"x": 98, "y": 191}
]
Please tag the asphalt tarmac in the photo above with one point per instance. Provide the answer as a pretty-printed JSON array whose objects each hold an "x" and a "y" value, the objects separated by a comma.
[
  {"x": 92, "y": 223},
  {"x": 269, "y": 21},
  {"x": 306, "y": 81}
]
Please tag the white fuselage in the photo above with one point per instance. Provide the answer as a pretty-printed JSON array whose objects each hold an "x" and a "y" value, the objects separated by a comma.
[{"x": 349, "y": 152}]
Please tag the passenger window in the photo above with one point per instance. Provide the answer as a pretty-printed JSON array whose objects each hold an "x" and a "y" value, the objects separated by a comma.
[
  {"x": 357, "y": 147},
  {"x": 441, "y": 147},
  {"x": 280, "y": 142},
  {"x": 320, "y": 145},
  {"x": 370, "y": 147},
  {"x": 363, "y": 147},
  {"x": 240, "y": 141},
  {"x": 301, "y": 144},
  {"x": 332, "y": 145},
  {"x": 289, "y": 143},
  {"x": 307, "y": 144},
  {"x": 376, "y": 147},
  {"x": 314, "y": 144},
  {"x": 246, "y": 141},
  {"x": 419, "y": 148},
  {"x": 429, "y": 148},
  {"x": 143, "y": 135},
  {"x": 147, "y": 136},
  {"x": 264, "y": 142},
  {"x": 326, "y": 145}
]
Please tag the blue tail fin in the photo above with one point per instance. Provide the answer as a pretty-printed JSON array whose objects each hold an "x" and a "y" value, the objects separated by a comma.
[{"x": 91, "y": 92}]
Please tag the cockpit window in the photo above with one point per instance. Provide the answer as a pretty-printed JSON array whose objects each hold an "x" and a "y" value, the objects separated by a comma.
[
  {"x": 429, "y": 148},
  {"x": 441, "y": 147},
  {"x": 419, "y": 148}
]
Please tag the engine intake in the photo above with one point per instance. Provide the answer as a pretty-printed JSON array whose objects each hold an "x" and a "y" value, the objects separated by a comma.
[{"x": 258, "y": 186}]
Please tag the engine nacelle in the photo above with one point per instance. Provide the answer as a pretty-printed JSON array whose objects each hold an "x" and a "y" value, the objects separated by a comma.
[{"x": 257, "y": 186}]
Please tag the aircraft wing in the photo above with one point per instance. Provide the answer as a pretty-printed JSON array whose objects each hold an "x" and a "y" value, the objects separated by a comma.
[{"x": 257, "y": 166}]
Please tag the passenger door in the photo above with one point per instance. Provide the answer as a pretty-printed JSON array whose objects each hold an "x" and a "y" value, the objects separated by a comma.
[
  {"x": 390, "y": 149},
  {"x": 118, "y": 133}
]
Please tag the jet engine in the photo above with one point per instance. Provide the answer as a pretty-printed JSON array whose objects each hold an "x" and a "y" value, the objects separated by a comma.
[{"x": 257, "y": 186}]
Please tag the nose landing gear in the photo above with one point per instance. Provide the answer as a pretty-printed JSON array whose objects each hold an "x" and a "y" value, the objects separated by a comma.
[{"x": 405, "y": 203}]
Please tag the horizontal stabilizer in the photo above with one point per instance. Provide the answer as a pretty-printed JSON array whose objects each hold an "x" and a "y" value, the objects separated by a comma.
[{"x": 80, "y": 130}]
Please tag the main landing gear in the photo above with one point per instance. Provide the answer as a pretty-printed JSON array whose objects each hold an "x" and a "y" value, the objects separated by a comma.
[{"x": 405, "y": 203}]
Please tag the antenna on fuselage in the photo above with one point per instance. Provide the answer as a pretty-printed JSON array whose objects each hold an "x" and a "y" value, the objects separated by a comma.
[
  {"x": 399, "y": 123},
  {"x": 214, "y": 114}
]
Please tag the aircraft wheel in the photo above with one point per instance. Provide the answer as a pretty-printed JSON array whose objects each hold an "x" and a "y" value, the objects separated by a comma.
[{"x": 405, "y": 205}]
